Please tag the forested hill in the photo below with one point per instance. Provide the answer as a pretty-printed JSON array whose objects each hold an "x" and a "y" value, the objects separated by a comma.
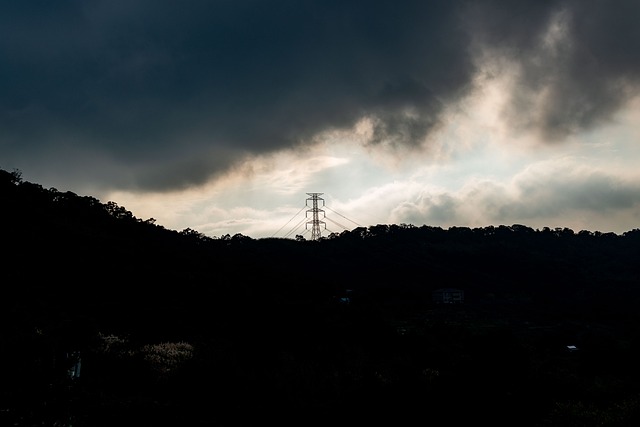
[
  {"x": 79, "y": 240},
  {"x": 279, "y": 324}
]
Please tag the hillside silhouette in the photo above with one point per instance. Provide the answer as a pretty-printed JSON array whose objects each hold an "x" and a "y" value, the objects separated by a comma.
[{"x": 108, "y": 319}]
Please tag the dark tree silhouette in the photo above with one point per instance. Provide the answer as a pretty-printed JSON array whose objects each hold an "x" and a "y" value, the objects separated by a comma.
[{"x": 179, "y": 328}]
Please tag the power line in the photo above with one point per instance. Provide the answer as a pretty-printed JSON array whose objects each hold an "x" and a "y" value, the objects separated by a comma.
[
  {"x": 297, "y": 226},
  {"x": 288, "y": 221},
  {"x": 315, "y": 221},
  {"x": 337, "y": 213},
  {"x": 338, "y": 224}
]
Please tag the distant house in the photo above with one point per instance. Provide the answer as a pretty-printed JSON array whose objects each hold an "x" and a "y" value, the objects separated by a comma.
[{"x": 448, "y": 296}]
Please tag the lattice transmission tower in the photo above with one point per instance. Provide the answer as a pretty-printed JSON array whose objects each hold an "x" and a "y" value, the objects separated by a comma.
[{"x": 315, "y": 217}]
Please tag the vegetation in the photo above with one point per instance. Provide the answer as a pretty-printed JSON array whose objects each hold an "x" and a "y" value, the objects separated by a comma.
[{"x": 107, "y": 319}]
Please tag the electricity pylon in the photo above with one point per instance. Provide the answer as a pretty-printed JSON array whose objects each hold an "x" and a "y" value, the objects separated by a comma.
[{"x": 315, "y": 221}]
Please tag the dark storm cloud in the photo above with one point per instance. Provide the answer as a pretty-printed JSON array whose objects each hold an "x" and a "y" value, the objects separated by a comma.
[
  {"x": 169, "y": 94},
  {"x": 579, "y": 59}
]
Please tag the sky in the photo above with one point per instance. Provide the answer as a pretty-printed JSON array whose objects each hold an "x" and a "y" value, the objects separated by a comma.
[{"x": 223, "y": 116}]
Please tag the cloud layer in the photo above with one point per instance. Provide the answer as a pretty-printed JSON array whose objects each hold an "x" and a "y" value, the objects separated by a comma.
[{"x": 154, "y": 95}]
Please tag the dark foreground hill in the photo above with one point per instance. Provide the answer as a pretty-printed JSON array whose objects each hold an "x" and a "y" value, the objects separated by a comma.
[{"x": 107, "y": 319}]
